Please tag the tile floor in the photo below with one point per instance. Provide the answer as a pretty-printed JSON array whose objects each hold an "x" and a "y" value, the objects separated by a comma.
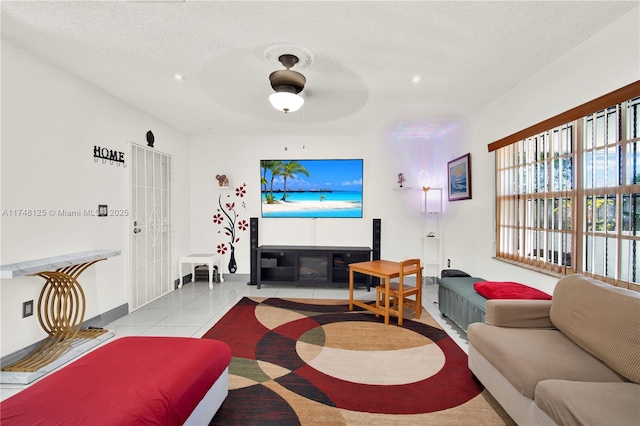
[{"x": 194, "y": 309}]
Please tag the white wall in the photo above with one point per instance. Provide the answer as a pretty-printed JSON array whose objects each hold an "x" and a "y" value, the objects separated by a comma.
[
  {"x": 385, "y": 154},
  {"x": 239, "y": 158},
  {"x": 607, "y": 61},
  {"x": 50, "y": 122},
  {"x": 421, "y": 149}
]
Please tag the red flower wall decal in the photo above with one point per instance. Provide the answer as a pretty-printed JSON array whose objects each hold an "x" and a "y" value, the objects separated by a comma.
[{"x": 228, "y": 212}]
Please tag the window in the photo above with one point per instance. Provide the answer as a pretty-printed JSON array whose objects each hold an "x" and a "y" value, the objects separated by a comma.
[{"x": 568, "y": 198}]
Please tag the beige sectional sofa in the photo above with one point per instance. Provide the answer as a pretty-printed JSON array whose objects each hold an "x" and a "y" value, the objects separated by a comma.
[{"x": 572, "y": 360}]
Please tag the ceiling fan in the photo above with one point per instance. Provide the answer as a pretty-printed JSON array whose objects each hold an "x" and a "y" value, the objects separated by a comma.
[{"x": 287, "y": 85}]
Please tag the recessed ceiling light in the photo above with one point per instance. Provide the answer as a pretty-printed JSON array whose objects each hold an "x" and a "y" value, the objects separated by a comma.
[
  {"x": 415, "y": 79},
  {"x": 178, "y": 77}
]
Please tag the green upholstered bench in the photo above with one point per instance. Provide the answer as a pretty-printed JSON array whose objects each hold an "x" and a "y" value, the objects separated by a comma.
[{"x": 458, "y": 300}]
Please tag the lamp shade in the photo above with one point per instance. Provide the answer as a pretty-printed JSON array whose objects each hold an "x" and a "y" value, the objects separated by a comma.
[{"x": 286, "y": 101}]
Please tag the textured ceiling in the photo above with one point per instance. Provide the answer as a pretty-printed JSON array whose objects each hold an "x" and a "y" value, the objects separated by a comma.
[{"x": 365, "y": 55}]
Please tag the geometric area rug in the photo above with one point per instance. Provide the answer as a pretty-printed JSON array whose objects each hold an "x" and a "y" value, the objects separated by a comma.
[{"x": 314, "y": 362}]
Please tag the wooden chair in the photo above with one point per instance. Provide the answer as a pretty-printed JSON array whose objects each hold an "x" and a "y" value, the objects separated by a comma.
[{"x": 400, "y": 292}]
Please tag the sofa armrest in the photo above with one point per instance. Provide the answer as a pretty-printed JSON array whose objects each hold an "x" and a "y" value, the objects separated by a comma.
[{"x": 518, "y": 313}]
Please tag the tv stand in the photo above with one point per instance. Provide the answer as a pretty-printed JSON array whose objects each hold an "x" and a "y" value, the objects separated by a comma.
[{"x": 313, "y": 266}]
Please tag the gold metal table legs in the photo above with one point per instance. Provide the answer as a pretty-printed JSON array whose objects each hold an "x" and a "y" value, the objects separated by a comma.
[{"x": 61, "y": 308}]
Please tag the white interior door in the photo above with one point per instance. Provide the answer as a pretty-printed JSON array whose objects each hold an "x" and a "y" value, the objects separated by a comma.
[{"x": 150, "y": 225}]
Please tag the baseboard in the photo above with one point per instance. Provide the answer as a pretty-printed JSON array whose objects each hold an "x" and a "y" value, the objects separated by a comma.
[
  {"x": 185, "y": 280},
  {"x": 237, "y": 277},
  {"x": 97, "y": 321},
  {"x": 107, "y": 317},
  {"x": 227, "y": 277}
]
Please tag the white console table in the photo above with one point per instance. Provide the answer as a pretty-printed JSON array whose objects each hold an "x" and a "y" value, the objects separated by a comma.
[
  {"x": 61, "y": 305},
  {"x": 33, "y": 267},
  {"x": 209, "y": 259}
]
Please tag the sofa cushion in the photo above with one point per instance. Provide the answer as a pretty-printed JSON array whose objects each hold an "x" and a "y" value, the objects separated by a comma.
[
  {"x": 519, "y": 313},
  {"x": 597, "y": 404},
  {"x": 602, "y": 319},
  {"x": 527, "y": 356}
]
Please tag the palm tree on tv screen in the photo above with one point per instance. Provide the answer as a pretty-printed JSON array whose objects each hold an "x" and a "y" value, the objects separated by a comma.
[
  {"x": 290, "y": 170},
  {"x": 275, "y": 167}
]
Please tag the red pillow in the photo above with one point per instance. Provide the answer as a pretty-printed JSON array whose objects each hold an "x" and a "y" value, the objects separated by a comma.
[{"x": 508, "y": 290}]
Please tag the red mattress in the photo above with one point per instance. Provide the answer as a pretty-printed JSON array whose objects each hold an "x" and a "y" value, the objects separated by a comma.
[
  {"x": 132, "y": 381},
  {"x": 508, "y": 290}
]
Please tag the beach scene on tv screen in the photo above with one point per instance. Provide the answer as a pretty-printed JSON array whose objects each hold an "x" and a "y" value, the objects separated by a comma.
[{"x": 311, "y": 188}]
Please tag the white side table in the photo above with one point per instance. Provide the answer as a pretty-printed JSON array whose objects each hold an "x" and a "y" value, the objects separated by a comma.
[{"x": 209, "y": 259}]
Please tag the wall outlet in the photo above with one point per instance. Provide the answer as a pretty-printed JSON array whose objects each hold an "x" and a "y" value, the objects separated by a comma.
[{"x": 27, "y": 309}]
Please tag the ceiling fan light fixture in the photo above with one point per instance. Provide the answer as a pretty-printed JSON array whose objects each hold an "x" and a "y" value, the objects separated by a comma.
[
  {"x": 286, "y": 101},
  {"x": 287, "y": 84}
]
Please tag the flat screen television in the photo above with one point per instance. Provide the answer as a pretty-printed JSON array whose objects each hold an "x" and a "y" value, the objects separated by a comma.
[{"x": 311, "y": 188}]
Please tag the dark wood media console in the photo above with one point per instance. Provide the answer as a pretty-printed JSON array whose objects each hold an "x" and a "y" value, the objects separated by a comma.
[{"x": 314, "y": 266}]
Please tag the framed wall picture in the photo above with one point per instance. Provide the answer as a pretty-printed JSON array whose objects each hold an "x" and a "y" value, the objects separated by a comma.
[{"x": 459, "y": 178}]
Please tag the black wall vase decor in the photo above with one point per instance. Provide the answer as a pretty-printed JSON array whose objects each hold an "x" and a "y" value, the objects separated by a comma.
[{"x": 150, "y": 139}]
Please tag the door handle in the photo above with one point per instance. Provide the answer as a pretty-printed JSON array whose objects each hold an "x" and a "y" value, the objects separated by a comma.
[{"x": 136, "y": 230}]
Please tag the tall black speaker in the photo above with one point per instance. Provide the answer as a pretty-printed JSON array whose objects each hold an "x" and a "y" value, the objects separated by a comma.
[
  {"x": 377, "y": 238},
  {"x": 253, "y": 247}
]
